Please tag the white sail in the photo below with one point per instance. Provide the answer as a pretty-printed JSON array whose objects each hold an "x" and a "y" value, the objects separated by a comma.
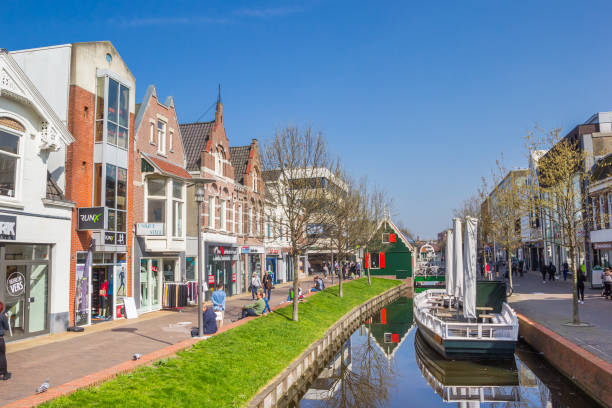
[
  {"x": 450, "y": 283},
  {"x": 458, "y": 260},
  {"x": 469, "y": 273}
]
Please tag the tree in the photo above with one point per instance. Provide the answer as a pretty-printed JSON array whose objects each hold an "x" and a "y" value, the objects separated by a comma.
[
  {"x": 296, "y": 163},
  {"x": 470, "y": 207},
  {"x": 374, "y": 202},
  {"x": 502, "y": 209},
  {"x": 560, "y": 192}
]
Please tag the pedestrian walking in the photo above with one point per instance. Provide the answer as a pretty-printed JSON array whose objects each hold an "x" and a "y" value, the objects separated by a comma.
[
  {"x": 565, "y": 270},
  {"x": 268, "y": 284},
  {"x": 4, "y": 326},
  {"x": 218, "y": 301},
  {"x": 543, "y": 271},
  {"x": 325, "y": 269},
  {"x": 552, "y": 269},
  {"x": 255, "y": 285},
  {"x": 606, "y": 277},
  {"x": 358, "y": 269},
  {"x": 581, "y": 280}
]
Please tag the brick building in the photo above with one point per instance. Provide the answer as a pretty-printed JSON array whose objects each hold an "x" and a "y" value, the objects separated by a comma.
[
  {"x": 92, "y": 91},
  {"x": 160, "y": 214},
  {"x": 232, "y": 212}
]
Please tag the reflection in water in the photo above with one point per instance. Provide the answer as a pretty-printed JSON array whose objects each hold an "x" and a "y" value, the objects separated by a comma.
[{"x": 385, "y": 363}]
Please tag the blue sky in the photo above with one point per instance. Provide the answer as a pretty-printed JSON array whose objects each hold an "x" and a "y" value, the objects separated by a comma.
[{"x": 421, "y": 97}]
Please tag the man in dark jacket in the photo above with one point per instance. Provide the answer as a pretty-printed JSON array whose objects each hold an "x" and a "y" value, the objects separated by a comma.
[
  {"x": 209, "y": 320},
  {"x": 552, "y": 269},
  {"x": 4, "y": 326}
]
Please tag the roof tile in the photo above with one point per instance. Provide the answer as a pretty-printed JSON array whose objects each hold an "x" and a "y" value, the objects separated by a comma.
[
  {"x": 240, "y": 158},
  {"x": 195, "y": 135}
]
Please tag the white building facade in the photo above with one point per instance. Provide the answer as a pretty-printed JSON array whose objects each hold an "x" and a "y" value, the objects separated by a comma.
[{"x": 35, "y": 218}]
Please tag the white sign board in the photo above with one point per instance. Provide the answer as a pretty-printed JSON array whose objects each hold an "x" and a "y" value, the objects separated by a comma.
[
  {"x": 146, "y": 229},
  {"x": 130, "y": 308}
]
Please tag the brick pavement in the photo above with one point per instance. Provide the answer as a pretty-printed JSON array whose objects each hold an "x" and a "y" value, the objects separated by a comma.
[
  {"x": 550, "y": 305},
  {"x": 70, "y": 358}
]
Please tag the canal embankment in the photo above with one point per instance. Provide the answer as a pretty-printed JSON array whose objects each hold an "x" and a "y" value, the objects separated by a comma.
[
  {"x": 288, "y": 387},
  {"x": 228, "y": 369},
  {"x": 583, "y": 354}
]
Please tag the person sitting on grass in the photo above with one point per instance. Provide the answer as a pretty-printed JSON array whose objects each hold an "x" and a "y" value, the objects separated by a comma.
[
  {"x": 300, "y": 294},
  {"x": 209, "y": 320},
  {"x": 317, "y": 285},
  {"x": 256, "y": 308}
]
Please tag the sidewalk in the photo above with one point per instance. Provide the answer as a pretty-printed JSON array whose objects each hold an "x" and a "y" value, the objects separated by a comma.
[
  {"x": 550, "y": 304},
  {"x": 65, "y": 357}
]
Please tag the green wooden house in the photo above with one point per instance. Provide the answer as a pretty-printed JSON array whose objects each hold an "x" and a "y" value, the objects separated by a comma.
[{"x": 389, "y": 252}]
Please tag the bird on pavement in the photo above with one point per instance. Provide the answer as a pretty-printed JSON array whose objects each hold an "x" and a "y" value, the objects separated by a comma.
[
  {"x": 43, "y": 387},
  {"x": 136, "y": 356}
]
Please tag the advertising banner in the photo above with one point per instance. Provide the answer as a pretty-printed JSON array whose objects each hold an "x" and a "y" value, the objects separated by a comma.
[{"x": 91, "y": 218}]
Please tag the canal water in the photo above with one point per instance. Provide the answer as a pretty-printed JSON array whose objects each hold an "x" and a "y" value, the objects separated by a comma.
[{"x": 385, "y": 363}]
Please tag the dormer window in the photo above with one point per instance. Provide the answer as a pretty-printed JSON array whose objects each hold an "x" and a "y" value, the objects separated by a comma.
[{"x": 9, "y": 161}]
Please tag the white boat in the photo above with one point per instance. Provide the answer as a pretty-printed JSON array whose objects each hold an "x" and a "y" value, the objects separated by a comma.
[{"x": 455, "y": 321}]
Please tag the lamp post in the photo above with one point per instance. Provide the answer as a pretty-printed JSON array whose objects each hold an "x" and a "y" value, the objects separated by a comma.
[{"x": 200, "y": 191}]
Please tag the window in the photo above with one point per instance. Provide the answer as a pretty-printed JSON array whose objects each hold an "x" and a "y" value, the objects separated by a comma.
[
  {"x": 152, "y": 134},
  {"x": 211, "y": 212},
  {"x": 116, "y": 97},
  {"x": 594, "y": 213},
  {"x": 375, "y": 260},
  {"x": 257, "y": 223},
  {"x": 9, "y": 160},
  {"x": 609, "y": 206},
  {"x": 222, "y": 219},
  {"x": 98, "y": 184},
  {"x": 177, "y": 209},
  {"x": 251, "y": 221},
  {"x": 156, "y": 201},
  {"x": 171, "y": 141},
  {"x": 115, "y": 197},
  {"x": 218, "y": 156},
  {"x": 602, "y": 211},
  {"x": 240, "y": 220},
  {"x": 177, "y": 227},
  {"x": 255, "y": 182},
  {"x": 161, "y": 137},
  {"x": 268, "y": 226}
]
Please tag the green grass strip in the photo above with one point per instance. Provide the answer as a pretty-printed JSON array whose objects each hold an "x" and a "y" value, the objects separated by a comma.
[{"x": 228, "y": 369}]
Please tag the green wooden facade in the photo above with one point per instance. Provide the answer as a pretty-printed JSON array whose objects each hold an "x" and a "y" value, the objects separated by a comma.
[{"x": 398, "y": 255}]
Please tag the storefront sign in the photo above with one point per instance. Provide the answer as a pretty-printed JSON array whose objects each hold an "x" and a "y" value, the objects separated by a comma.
[
  {"x": 91, "y": 218},
  {"x": 256, "y": 250},
  {"x": 15, "y": 284},
  {"x": 233, "y": 276},
  {"x": 222, "y": 253},
  {"x": 211, "y": 279},
  {"x": 145, "y": 229},
  {"x": 602, "y": 245},
  {"x": 273, "y": 251},
  {"x": 245, "y": 250},
  {"x": 114, "y": 238},
  {"x": 8, "y": 227}
]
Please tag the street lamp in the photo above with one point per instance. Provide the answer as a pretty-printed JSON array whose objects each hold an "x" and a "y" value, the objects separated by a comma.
[{"x": 200, "y": 191}]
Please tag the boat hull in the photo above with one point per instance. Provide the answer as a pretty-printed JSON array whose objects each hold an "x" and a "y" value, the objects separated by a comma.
[{"x": 469, "y": 348}]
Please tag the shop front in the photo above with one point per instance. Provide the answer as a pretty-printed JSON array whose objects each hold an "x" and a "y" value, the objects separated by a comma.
[
  {"x": 101, "y": 286},
  {"x": 26, "y": 271},
  {"x": 155, "y": 272},
  {"x": 222, "y": 267},
  {"x": 254, "y": 257}
]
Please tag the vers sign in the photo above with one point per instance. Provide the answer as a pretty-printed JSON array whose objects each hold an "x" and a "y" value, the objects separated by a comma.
[{"x": 91, "y": 218}]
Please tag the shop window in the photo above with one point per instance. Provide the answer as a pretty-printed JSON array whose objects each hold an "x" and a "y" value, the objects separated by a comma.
[
  {"x": 161, "y": 137},
  {"x": 16, "y": 252},
  {"x": 190, "y": 268},
  {"x": 9, "y": 160},
  {"x": 375, "y": 260}
]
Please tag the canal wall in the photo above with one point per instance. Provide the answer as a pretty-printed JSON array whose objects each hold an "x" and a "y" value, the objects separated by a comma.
[
  {"x": 591, "y": 373},
  {"x": 290, "y": 385}
]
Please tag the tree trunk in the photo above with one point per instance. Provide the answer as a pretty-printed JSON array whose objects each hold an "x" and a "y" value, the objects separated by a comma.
[
  {"x": 509, "y": 266},
  {"x": 340, "y": 278},
  {"x": 331, "y": 268},
  {"x": 367, "y": 265},
  {"x": 296, "y": 281},
  {"x": 575, "y": 271}
]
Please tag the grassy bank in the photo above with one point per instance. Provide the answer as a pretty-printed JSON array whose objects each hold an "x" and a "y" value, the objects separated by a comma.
[{"x": 228, "y": 369}]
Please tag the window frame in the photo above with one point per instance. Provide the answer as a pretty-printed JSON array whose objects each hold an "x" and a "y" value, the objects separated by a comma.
[
  {"x": 240, "y": 220},
  {"x": 222, "y": 215},
  {"x": 161, "y": 136},
  {"x": 211, "y": 212},
  {"x": 114, "y": 210},
  {"x": 104, "y": 118},
  {"x": 163, "y": 198},
  {"x": 18, "y": 160},
  {"x": 178, "y": 202}
]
